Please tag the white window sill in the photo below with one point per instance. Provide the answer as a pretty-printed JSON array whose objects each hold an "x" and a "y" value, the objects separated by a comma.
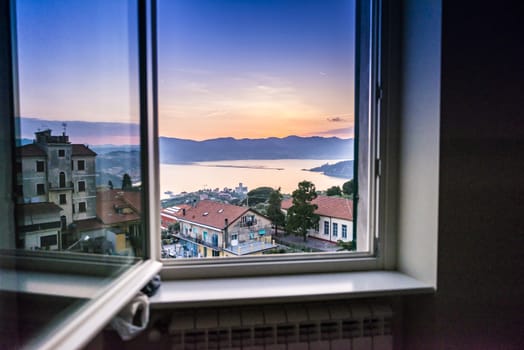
[{"x": 253, "y": 290}]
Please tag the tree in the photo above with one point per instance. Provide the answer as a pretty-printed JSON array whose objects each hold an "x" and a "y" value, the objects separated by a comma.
[
  {"x": 258, "y": 195},
  {"x": 174, "y": 227},
  {"x": 334, "y": 191},
  {"x": 301, "y": 215},
  {"x": 110, "y": 184},
  {"x": 274, "y": 210},
  {"x": 346, "y": 245},
  {"x": 348, "y": 187},
  {"x": 126, "y": 182}
]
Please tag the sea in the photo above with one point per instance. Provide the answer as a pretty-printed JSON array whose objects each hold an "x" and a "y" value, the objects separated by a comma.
[{"x": 275, "y": 173}]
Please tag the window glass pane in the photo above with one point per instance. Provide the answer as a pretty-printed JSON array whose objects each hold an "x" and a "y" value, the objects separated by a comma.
[
  {"x": 79, "y": 123},
  {"x": 256, "y": 126},
  {"x": 78, "y": 176}
]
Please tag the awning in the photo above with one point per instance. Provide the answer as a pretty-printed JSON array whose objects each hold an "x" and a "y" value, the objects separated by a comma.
[{"x": 261, "y": 232}]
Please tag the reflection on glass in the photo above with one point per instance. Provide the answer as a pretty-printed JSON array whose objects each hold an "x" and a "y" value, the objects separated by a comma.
[
  {"x": 77, "y": 163},
  {"x": 256, "y": 127},
  {"x": 78, "y": 181}
]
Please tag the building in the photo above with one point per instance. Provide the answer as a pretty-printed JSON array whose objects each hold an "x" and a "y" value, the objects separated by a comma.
[
  {"x": 52, "y": 170},
  {"x": 210, "y": 228},
  {"x": 336, "y": 218},
  {"x": 39, "y": 225},
  {"x": 168, "y": 216}
]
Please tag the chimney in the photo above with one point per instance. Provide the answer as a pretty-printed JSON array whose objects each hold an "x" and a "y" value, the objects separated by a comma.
[
  {"x": 184, "y": 212},
  {"x": 226, "y": 222}
]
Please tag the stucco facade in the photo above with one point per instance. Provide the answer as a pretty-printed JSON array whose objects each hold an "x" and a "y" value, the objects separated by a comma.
[
  {"x": 52, "y": 170},
  {"x": 217, "y": 229},
  {"x": 336, "y": 218}
]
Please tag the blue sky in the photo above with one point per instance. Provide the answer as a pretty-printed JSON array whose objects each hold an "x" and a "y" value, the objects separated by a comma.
[{"x": 236, "y": 68}]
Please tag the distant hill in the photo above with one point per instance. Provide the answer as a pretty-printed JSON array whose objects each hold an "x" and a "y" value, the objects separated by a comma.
[
  {"x": 105, "y": 149},
  {"x": 174, "y": 150},
  {"x": 342, "y": 169},
  {"x": 114, "y": 164}
]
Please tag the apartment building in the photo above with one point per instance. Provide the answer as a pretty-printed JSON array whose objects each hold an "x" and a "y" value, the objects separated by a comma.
[
  {"x": 210, "y": 228},
  {"x": 53, "y": 173}
]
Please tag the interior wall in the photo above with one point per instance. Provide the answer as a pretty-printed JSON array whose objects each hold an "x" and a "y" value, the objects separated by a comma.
[
  {"x": 480, "y": 298},
  {"x": 419, "y": 139}
]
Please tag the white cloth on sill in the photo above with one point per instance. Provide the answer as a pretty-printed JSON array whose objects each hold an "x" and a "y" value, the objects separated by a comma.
[{"x": 133, "y": 318}]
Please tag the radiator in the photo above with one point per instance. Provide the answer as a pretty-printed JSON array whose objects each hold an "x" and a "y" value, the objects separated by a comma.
[{"x": 311, "y": 326}]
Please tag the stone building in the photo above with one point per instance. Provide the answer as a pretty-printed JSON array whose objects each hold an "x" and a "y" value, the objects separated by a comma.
[{"x": 52, "y": 170}]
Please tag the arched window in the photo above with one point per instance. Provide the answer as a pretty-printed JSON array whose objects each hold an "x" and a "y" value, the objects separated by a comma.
[{"x": 62, "y": 180}]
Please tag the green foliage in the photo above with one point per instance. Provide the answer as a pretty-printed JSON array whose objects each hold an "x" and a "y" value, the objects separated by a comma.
[
  {"x": 346, "y": 245},
  {"x": 301, "y": 215},
  {"x": 174, "y": 227},
  {"x": 334, "y": 191},
  {"x": 258, "y": 195},
  {"x": 126, "y": 182},
  {"x": 348, "y": 187},
  {"x": 274, "y": 210}
]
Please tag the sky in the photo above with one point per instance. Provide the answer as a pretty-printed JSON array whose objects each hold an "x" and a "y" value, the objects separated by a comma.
[{"x": 228, "y": 68}]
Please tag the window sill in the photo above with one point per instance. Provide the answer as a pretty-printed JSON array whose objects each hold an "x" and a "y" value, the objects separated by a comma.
[{"x": 256, "y": 290}]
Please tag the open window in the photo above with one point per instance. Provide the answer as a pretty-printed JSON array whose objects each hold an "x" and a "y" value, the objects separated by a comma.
[
  {"x": 78, "y": 232},
  {"x": 268, "y": 111}
]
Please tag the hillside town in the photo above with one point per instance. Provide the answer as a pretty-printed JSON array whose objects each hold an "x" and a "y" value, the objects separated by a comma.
[{"x": 61, "y": 207}]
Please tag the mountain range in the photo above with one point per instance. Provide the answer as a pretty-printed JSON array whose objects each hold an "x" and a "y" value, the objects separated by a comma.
[
  {"x": 343, "y": 169},
  {"x": 174, "y": 150}
]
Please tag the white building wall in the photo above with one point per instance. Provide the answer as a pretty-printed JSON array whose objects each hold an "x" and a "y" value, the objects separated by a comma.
[
  {"x": 31, "y": 178},
  {"x": 329, "y": 235},
  {"x": 32, "y": 239},
  {"x": 88, "y": 176}
]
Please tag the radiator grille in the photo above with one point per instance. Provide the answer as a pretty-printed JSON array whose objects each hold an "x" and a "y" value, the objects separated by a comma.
[{"x": 277, "y": 327}]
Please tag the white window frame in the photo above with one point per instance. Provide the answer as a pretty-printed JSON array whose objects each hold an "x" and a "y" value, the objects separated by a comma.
[{"x": 367, "y": 99}]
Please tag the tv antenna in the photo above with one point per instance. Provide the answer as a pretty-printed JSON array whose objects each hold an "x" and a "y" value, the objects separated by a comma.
[{"x": 64, "y": 125}]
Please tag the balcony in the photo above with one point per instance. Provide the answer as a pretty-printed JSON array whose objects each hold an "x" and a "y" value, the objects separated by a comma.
[
  {"x": 251, "y": 246},
  {"x": 68, "y": 185},
  {"x": 249, "y": 223},
  {"x": 200, "y": 241}
]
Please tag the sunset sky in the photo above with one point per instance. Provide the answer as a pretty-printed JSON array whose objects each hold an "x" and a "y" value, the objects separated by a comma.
[{"x": 253, "y": 69}]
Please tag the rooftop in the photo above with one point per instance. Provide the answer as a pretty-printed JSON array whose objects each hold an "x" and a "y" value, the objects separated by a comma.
[
  {"x": 110, "y": 205},
  {"x": 335, "y": 207},
  {"x": 211, "y": 213},
  {"x": 82, "y": 150},
  {"x": 33, "y": 209},
  {"x": 31, "y": 150}
]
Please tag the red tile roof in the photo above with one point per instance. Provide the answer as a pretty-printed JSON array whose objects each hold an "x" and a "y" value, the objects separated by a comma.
[
  {"x": 211, "y": 213},
  {"x": 31, "y": 209},
  {"x": 334, "y": 207},
  {"x": 31, "y": 150},
  {"x": 108, "y": 201},
  {"x": 82, "y": 150},
  {"x": 88, "y": 224}
]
